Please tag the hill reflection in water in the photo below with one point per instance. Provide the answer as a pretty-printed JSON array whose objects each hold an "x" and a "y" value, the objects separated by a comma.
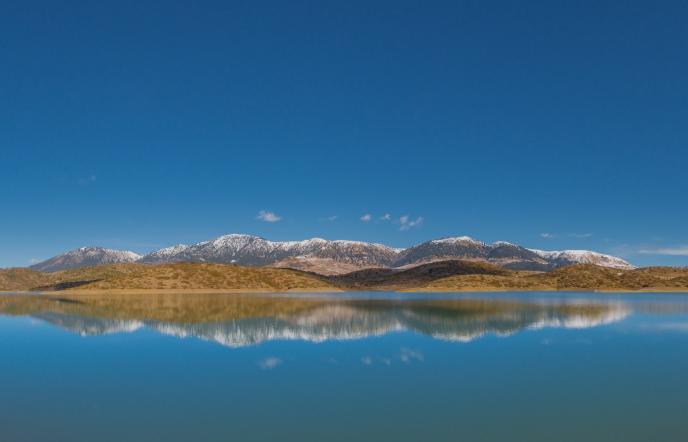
[{"x": 242, "y": 320}]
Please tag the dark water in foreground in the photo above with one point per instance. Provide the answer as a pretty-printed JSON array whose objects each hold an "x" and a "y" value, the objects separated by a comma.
[{"x": 531, "y": 367}]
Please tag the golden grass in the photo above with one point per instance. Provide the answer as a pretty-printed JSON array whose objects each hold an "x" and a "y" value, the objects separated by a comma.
[
  {"x": 576, "y": 277},
  {"x": 205, "y": 277},
  {"x": 163, "y": 277}
]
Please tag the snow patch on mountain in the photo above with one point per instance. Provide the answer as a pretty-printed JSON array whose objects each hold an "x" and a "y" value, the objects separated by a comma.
[
  {"x": 86, "y": 256},
  {"x": 583, "y": 257},
  {"x": 456, "y": 239}
]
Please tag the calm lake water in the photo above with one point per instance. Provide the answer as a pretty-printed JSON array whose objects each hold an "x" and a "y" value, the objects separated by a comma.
[{"x": 492, "y": 367}]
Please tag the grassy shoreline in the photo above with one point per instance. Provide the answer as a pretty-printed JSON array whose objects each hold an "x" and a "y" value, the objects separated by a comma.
[
  {"x": 295, "y": 291},
  {"x": 437, "y": 277}
]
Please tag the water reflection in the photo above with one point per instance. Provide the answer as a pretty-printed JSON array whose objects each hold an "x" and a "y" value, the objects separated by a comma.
[{"x": 242, "y": 320}]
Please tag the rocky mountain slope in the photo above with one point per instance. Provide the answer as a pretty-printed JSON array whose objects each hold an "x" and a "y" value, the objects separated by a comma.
[
  {"x": 337, "y": 257},
  {"x": 85, "y": 257},
  {"x": 567, "y": 257},
  {"x": 257, "y": 251}
]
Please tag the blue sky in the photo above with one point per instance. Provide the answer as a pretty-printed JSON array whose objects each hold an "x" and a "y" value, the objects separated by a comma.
[{"x": 138, "y": 124}]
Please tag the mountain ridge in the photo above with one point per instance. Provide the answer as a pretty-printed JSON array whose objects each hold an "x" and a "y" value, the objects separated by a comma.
[{"x": 336, "y": 256}]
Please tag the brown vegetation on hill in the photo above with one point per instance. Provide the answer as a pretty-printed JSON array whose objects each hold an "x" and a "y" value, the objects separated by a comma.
[
  {"x": 180, "y": 276},
  {"x": 391, "y": 279},
  {"x": 321, "y": 266},
  {"x": 574, "y": 277},
  {"x": 453, "y": 275},
  {"x": 20, "y": 279}
]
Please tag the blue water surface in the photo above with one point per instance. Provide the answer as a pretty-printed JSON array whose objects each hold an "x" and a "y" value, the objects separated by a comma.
[{"x": 531, "y": 367}]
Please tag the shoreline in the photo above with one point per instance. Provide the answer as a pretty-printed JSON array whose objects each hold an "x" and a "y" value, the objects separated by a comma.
[{"x": 123, "y": 292}]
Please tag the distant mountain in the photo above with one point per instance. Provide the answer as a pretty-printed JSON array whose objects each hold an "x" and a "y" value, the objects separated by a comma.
[
  {"x": 336, "y": 257},
  {"x": 85, "y": 257},
  {"x": 256, "y": 251},
  {"x": 567, "y": 257}
]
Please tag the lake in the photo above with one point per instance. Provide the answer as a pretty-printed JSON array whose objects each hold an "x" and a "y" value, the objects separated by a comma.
[{"x": 369, "y": 366}]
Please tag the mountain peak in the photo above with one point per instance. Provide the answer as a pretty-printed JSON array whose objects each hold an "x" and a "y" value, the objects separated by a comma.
[
  {"x": 86, "y": 256},
  {"x": 564, "y": 257},
  {"x": 456, "y": 239}
]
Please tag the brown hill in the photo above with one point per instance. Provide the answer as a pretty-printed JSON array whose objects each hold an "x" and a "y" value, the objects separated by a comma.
[
  {"x": 19, "y": 279},
  {"x": 574, "y": 277},
  {"x": 321, "y": 266},
  {"x": 452, "y": 275},
  {"x": 392, "y": 279},
  {"x": 180, "y": 276}
]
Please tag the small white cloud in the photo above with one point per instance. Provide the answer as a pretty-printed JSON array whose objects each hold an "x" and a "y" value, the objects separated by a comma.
[
  {"x": 670, "y": 251},
  {"x": 269, "y": 217},
  {"x": 581, "y": 235},
  {"x": 407, "y": 355},
  {"x": 548, "y": 235},
  {"x": 34, "y": 261},
  {"x": 332, "y": 218},
  {"x": 407, "y": 223},
  {"x": 269, "y": 363},
  {"x": 366, "y": 360},
  {"x": 386, "y": 217},
  {"x": 87, "y": 180},
  {"x": 367, "y": 217}
]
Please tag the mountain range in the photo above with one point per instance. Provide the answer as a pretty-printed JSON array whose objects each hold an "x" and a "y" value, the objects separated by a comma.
[{"x": 335, "y": 257}]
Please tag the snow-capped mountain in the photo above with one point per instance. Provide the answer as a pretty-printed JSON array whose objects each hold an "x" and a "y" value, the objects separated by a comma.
[
  {"x": 332, "y": 257},
  {"x": 565, "y": 257},
  {"x": 254, "y": 250},
  {"x": 165, "y": 255},
  {"x": 84, "y": 257}
]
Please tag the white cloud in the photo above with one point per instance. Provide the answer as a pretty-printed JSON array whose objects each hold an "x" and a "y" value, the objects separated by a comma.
[
  {"x": 87, "y": 180},
  {"x": 367, "y": 217},
  {"x": 407, "y": 223},
  {"x": 672, "y": 251},
  {"x": 407, "y": 355},
  {"x": 269, "y": 363},
  {"x": 386, "y": 217},
  {"x": 267, "y": 216},
  {"x": 332, "y": 218},
  {"x": 366, "y": 360},
  {"x": 548, "y": 235}
]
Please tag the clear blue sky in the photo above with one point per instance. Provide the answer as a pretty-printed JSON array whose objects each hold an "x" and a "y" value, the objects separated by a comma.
[{"x": 139, "y": 124}]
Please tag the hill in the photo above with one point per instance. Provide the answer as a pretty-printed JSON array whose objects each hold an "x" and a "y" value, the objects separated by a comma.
[
  {"x": 180, "y": 276},
  {"x": 450, "y": 275},
  {"x": 575, "y": 277},
  {"x": 392, "y": 279},
  {"x": 20, "y": 279}
]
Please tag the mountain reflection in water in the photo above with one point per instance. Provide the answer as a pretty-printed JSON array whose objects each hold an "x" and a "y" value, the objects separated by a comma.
[{"x": 242, "y": 320}]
